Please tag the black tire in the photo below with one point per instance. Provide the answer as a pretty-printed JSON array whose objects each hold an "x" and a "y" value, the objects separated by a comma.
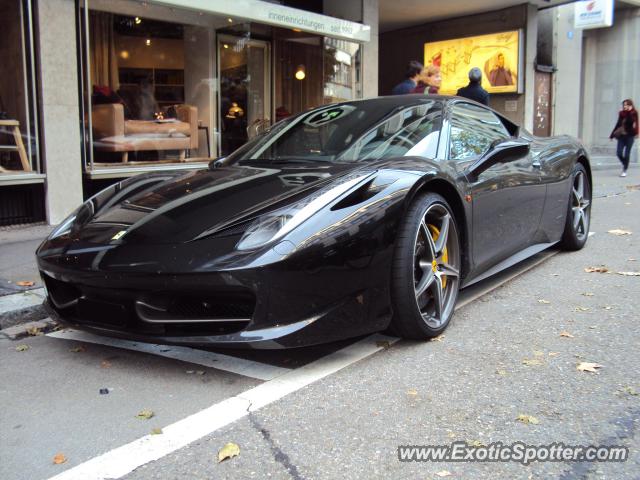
[
  {"x": 576, "y": 226},
  {"x": 425, "y": 269}
]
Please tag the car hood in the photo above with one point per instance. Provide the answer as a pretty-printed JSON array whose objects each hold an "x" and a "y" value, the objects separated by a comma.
[{"x": 179, "y": 208}]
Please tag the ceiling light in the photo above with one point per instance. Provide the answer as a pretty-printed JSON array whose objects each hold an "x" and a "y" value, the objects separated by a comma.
[
  {"x": 148, "y": 42},
  {"x": 300, "y": 73},
  {"x": 138, "y": 20},
  {"x": 225, "y": 45},
  {"x": 230, "y": 20}
]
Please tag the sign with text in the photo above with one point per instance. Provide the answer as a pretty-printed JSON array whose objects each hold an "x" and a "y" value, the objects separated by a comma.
[
  {"x": 496, "y": 54},
  {"x": 593, "y": 14},
  {"x": 278, "y": 15}
]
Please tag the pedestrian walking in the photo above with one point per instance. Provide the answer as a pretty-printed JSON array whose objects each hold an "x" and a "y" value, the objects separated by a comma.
[
  {"x": 412, "y": 75},
  {"x": 624, "y": 132},
  {"x": 474, "y": 90}
]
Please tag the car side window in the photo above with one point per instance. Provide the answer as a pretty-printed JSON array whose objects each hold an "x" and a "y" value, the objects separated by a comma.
[
  {"x": 473, "y": 130},
  {"x": 412, "y": 131}
]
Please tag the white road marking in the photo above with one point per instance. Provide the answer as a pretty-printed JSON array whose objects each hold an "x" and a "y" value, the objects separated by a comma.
[
  {"x": 240, "y": 366},
  {"x": 123, "y": 460}
]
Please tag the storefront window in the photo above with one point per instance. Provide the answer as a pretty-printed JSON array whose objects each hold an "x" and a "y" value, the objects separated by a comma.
[
  {"x": 148, "y": 86},
  {"x": 18, "y": 129},
  {"x": 311, "y": 70},
  {"x": 166, "y": 86}
]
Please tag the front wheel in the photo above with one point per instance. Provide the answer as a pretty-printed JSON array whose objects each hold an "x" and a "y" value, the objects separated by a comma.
[
  {"x": 576, "y": 227},
  {"x": 426, "y": 269}
]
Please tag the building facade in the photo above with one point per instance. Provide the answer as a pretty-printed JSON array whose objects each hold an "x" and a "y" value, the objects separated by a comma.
[{"x": 111, "y": 88}]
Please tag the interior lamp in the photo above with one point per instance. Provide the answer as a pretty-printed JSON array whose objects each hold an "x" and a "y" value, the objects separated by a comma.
[{"x": 300, "y": 73}]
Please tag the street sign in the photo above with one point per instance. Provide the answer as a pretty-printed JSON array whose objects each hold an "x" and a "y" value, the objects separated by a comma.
[{"x": 593, "y": 14}]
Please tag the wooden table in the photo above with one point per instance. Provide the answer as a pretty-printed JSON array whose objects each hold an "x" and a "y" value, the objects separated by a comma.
[{"x": 19, "y": 146}]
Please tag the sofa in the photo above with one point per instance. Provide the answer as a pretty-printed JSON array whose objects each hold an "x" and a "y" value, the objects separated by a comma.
[{"x": 112, "y": 133}]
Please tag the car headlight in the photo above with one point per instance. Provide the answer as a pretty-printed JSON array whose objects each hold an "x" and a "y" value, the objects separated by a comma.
[{"x": 275, "y": 225}]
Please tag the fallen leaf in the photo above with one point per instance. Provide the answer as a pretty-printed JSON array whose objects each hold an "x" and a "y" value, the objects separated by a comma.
[
  {"x": 633, "y": 187},
  {"x": 34, "y": 331},
  {"x": 476, "y": 443},
  {"x": 588, "y": 367},
  {"x": 105, "y": 364},
  {"x": 439, "y": 338},
  {"x": 528, "y": 419},
  {"x": 554, "y": 354},
  {"x": 444, "y": 473},
  {"x": 22, "y": 348},
  {"x": 630, "y": 391},
  {"x": 77, "y": 349},
  {"x": 601, "y": 269},
  {"x": 631, "y": 260},
  {"x": 531, "y": 362},
  {"x": 145, "y": 414},
  {"x": 587, "y": 294},
  {"x": 538, "y": 353},
  {"x": 566, "y": 334},
  {"x": 59, "y": 458},
  {"x": 230, "y": 450},
  {"x": 618, "y": 232},
  {"x": 607, "y": 307},
  {"x": 383, "y": 344},
  {"x": 25, "y": 283},
  {"x": 412, "y": 392},
  {"x": 156, "y": 431},
  {"x": 629, "y": 274},
  {"x": 544, "y": 301},
  {"x": 555, "y": 274},
  {"x": 501, "y": 372}
]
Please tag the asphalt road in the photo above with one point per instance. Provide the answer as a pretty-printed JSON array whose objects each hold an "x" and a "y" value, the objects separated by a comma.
[{"x": 471, "y": 385}]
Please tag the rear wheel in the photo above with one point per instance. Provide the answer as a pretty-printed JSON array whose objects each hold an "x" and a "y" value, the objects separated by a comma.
[
  {"x": 576, "y": 227},
  {"x": 426, "y": 269}
]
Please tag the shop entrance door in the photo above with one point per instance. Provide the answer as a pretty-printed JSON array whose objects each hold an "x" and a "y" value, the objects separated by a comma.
[{"x": 244, "y": 96}]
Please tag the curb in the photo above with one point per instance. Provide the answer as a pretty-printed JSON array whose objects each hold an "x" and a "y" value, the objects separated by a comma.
[
  {"x": 22, "y": 307},
  {"x": 33, "y": 329}
]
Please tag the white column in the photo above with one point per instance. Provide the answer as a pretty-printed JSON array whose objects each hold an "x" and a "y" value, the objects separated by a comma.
[
  {"x": 531, "y": 48},
  {"x": 568, "y": 60},
  {"x": 59, "y": 106}
]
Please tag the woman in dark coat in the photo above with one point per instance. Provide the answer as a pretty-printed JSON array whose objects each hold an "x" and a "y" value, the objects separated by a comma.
[{"x": 625, "y": 131}]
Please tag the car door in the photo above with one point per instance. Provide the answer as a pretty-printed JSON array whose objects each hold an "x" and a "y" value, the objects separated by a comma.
[{"x": 507, "y": 198}]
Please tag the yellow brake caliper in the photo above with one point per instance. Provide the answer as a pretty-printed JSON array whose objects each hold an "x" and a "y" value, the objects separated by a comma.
[{"x": 435, "y": 233}]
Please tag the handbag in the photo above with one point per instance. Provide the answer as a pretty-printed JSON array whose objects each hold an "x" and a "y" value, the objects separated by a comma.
[{"x": 619, "y": 132}]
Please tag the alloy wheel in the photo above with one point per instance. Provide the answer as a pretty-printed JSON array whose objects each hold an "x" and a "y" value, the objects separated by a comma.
[
  {"x": 580, "y": 202},
  {"x": 436, "y": 272}
]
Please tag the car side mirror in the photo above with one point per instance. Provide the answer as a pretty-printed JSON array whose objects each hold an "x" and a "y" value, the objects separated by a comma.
[
  {"x": 216, "y": 163},
  {"x": 499, "y": 152}
]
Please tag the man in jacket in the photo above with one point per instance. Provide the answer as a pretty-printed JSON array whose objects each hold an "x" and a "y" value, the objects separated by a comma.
[
  {"x": 474, "y": 90},
  {"x": 413, "y": 74}
]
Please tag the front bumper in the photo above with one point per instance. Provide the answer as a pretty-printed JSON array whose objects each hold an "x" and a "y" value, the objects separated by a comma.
[{"x": 267, "y": 308}]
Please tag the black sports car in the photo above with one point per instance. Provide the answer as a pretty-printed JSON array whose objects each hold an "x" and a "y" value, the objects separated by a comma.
[{"x": 340, "y": 221}]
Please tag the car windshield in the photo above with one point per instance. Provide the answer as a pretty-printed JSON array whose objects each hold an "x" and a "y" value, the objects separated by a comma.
[{"x": 348, "y": 132}]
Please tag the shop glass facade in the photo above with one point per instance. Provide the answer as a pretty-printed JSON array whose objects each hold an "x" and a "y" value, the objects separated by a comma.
[
  {"x": 19, "y": 149},
  {"x": 167, "y": 86}
]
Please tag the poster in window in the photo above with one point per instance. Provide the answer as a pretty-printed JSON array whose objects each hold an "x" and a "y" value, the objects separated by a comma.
[{"x": 496, "y": 54}]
